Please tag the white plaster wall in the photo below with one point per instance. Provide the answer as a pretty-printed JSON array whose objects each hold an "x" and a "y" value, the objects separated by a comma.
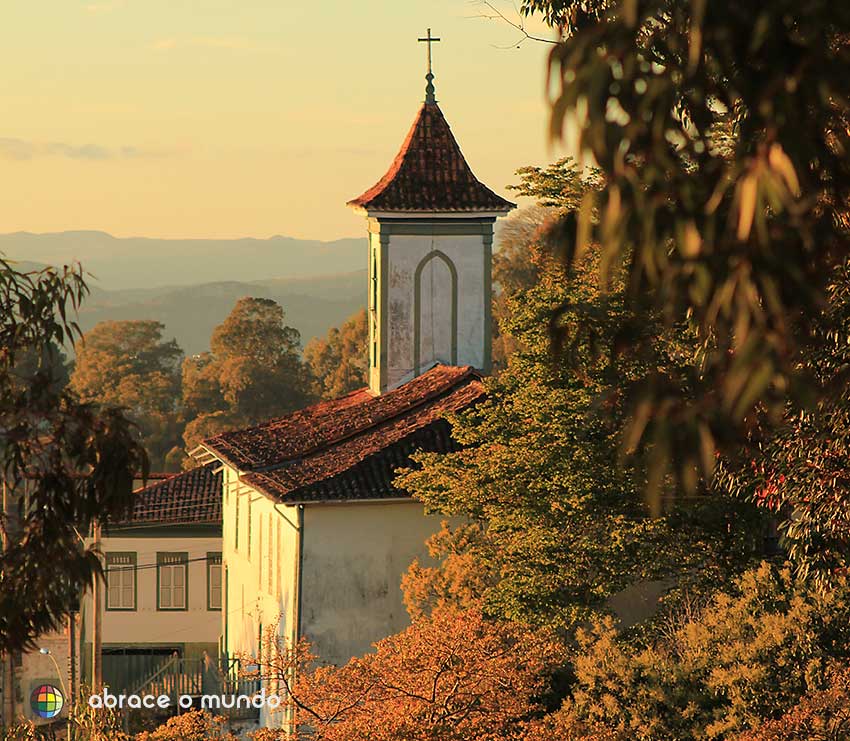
[
  {"x": 252, "y": 601},
  {"x": 146, "y": 624},
  {"x": 354, "y": 557},
  {"x": 467, "y": 253}
]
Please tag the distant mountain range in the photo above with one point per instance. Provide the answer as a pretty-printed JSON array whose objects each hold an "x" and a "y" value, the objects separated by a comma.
[
  {"x": 191, "y": 285},
  {"x": 138, "y": 262}
]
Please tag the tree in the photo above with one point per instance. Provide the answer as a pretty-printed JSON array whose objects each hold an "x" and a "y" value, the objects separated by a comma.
[
  {"x": 339, "y": 363},
  {"x": 747, "y": 655},
  {"x": 821, "y": 715},
  {"x": 556, "y": 526},
  {"x": 253, "y": 372},
  {"x": 66, "y": 464},
  {"x": 195, "y": 725},
  {"x": 449, "y": 677},
  {"x": 557, "y": 189},
  {"x": 736, "y": 240},
  {"x": 127, "y": 364},
  {"x": 798, "y": 469}
]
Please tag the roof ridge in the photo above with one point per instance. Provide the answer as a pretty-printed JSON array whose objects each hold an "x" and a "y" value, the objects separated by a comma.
[{"x": 469, "y": 371}]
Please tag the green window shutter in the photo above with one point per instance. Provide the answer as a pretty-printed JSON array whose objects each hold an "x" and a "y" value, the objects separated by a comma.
[
  {"x": 121, "y": 581},
  {"x": 172, "y": 581},
  {"x": 214, "y": 581}
]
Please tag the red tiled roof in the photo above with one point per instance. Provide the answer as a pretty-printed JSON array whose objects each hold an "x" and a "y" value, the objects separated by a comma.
[
  {"x": 430, "y": 174},
  {"x": 349, "y": 448},
  {"x": 192, "y": 497}
]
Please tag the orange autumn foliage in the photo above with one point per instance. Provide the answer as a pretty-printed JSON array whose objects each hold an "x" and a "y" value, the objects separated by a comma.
[
  {"x": 458, "y": 581},
  {"x": 450, "y": 676}
]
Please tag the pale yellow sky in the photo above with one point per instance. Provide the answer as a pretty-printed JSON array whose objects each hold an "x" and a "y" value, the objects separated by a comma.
[{"x": 214, "y": 118}]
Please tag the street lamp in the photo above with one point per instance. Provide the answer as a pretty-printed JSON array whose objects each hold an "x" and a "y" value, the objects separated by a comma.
[{"x": 46, "y": 652}]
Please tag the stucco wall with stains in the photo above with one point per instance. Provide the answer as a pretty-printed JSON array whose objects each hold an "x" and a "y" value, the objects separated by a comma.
[{"x": 353, "y": 561}]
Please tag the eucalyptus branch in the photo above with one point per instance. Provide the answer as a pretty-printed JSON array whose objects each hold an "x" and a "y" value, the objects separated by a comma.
[{"x": 498, "y": 15}]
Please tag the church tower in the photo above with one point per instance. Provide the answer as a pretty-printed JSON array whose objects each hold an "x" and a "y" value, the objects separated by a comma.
[{"x": 430, "y": 227}]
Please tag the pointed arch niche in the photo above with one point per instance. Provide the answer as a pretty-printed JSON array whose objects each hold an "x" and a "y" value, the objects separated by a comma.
[{"x": 435, "y": 300}]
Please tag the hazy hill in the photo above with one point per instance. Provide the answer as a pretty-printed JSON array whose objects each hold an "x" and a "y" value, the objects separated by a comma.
[
  {"x": 190, "y": 313},
  {"x": 141, "y": 263},
  {"x": 191, "y": 285}
]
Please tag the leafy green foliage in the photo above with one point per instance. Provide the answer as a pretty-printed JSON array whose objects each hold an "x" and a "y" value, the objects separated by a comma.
[
  {"x": 747, "y": 656},
  {"x": 561, "y": 527},
  {"x": 127, "y": 364},
  {"x": 339, "y": 363},
  {"x": 735, "y": 237},
  {"x": 65, "y": 464},
  {"x": 514, "y": 270},
  {"x": 562, "y": 185}
]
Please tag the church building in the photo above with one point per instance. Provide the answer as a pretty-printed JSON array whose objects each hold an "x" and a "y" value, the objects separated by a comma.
[{"x": 315, "y": 536}]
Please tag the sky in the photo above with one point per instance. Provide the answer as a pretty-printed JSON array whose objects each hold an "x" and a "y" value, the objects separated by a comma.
[{"x": 215, "y": 119}]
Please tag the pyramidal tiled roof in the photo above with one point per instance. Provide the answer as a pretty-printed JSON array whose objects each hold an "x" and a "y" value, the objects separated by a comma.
[{"x": 430, "y": 174}]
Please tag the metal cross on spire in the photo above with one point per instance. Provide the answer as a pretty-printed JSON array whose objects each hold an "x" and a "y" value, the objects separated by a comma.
[{"x": 429, "y": 88}]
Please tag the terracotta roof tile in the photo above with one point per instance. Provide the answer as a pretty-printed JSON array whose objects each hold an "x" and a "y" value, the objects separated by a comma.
[
  {"x": 350, "y": 448},
  {"x": 317, "y": 427},
  {"x": 192, "y": 497},
  {"x": 430, "y": 174}
]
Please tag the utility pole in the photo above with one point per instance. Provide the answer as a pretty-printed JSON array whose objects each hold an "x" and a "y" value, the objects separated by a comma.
[
  {"x": 97, "y": 623},
  {"x": 72, "y": 669}
]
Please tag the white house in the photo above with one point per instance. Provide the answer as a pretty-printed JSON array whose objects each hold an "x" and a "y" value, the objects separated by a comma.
[
  {"x": 163, "y": 594},
  {"x": 316, "y": 538}
]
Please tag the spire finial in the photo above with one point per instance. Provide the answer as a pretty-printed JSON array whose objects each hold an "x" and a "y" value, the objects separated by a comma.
[{"x": 429, "y": 87}]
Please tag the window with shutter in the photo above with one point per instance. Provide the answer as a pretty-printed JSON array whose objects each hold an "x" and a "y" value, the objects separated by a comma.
[
  {"x": 172, "y": 581},
  {"x": 120, "y": 581},
  {"x": 214, "y": 581}
]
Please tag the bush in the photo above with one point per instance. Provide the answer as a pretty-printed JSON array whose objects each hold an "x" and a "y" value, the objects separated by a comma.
[
  {"x": 196, "y": 725},
  {"x": 822, "y": 715},
  {"x": 748, "y": 656}
]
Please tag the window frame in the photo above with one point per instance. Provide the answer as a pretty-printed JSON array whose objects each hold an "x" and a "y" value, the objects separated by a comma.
[
  {"x": 214, "y": 558},
  {"x": 133, "y": 556},
  {"x": 172, "y": 558}
]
